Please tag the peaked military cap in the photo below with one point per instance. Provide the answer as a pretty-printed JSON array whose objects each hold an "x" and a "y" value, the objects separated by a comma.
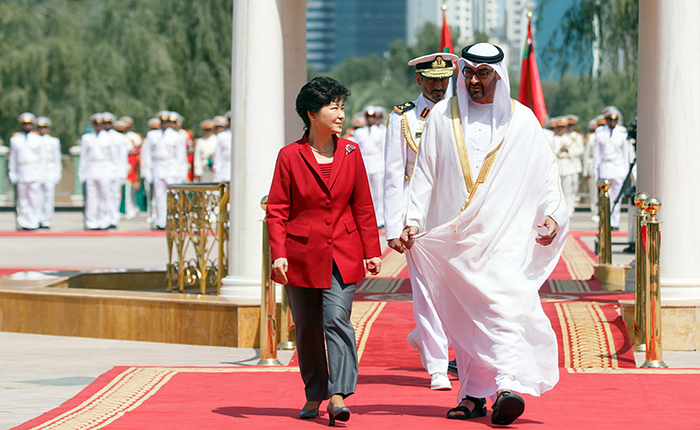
[{"x": 438, "y": 65}]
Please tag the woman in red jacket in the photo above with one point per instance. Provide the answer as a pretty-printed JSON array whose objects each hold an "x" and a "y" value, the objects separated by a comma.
[{"x": 323, "y": 239}]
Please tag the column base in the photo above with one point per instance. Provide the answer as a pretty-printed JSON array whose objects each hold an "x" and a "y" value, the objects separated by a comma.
[
  {"x": 680, "y": 324},
  {"x": 612, "y": 278},
  {"x": 246, "y": 288},
  {"x": 242, "y": 288}
]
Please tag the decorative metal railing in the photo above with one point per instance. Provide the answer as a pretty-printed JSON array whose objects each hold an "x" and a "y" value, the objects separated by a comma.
[{"x": 197, "y": 230}]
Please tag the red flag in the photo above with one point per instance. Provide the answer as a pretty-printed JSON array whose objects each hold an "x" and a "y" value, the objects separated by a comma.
[
  {"x": 530, "y": 93},
  {"x": 446, "y": 37}
]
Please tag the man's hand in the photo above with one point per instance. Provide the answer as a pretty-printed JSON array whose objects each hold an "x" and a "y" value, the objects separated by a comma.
[
  {"x": 407, "y": 235},
  {"x": 552, "y": 227},
  {"x": 280, "y": 267},
  {"x": 397, "y": 245},
  {"x": 373, "y": 265}
]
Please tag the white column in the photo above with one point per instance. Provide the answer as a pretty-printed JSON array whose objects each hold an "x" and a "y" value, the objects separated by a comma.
[
  {"x": 668, "y": 151},
  {"x": 258, "y": 113}
]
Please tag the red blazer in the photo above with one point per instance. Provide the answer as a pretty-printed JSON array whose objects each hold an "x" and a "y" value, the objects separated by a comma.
[{"x": 312, "y": 223}]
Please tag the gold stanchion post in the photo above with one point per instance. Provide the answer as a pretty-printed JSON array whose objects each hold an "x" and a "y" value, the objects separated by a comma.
[
  {"x": 638, "y": 342},
  {"x": 286, "y": 325},
  {"x": 654, "y": 354},
  {"x": 268, "y": 306},
  {"x": 604, "y": 239}
]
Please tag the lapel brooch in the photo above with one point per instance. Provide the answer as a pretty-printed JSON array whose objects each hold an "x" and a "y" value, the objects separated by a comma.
[{"x": 349, "y": 148}]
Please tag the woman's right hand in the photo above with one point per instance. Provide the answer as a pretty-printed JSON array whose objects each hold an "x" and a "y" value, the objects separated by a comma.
[{"x": 280, "y": 267}]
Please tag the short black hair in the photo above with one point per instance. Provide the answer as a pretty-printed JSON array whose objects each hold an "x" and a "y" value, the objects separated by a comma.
[{"x": 317, "y": 93}]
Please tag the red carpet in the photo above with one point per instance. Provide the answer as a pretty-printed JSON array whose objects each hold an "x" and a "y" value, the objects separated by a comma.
[{"x": 599, "y": 388}]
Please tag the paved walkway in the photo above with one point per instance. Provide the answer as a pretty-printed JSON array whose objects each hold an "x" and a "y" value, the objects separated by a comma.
[{"x": 40, "y": 372}]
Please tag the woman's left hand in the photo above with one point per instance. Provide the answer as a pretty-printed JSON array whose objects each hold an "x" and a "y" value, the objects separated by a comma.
[{"x": 373, "y": 265}]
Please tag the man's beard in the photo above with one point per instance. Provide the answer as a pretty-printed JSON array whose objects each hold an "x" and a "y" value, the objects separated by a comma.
[{"x": 476, "y": 95}]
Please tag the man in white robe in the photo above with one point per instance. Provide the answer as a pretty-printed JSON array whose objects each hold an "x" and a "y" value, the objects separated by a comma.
[
  {"x": 403, "y": 136},
  {"x": 486, "y": 199}
]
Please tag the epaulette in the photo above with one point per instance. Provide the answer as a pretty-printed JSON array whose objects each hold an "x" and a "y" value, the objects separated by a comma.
[{"x": 401, "y": 109}]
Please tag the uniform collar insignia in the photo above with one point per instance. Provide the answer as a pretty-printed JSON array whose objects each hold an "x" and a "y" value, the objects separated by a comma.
[{"x": 349, "y": 148}]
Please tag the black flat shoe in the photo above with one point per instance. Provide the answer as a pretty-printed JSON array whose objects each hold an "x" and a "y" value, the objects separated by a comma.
[
  {"x": 340, "y": 414},
  {"x": 507, "y": 408},
  {"x": 308, "y": 414},
  {"x": 479, "y": 410}
]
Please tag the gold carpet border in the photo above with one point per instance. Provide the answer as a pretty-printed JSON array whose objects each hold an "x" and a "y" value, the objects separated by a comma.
[
  {"x": 363, "y": 316},
  {"x": 578, "y": 261},
  {"x": 124, "y": 393},
  {"x": 586, "y": 336},
  {"x": 380, "y": 285},
  {"x": 568, "y": 286},
  {"x": 637, "y": 370},
  {"x": 393, "y": 264}
]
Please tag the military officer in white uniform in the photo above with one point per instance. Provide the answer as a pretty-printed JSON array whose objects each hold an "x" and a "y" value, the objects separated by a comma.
[
  {"x": 52, "y": 167},
  {"x": 96, "y": 172},
  {"x": 26, "y": 171},
  {"x": 370, "y": 138},
  {"x": 119, "y": 166},
  {"x": 568, "y": 152},
  {"x": 163, "y": 162},
  {"x": 611, "y": 157},
  {"x": 204, "y": 149},
  {"x": 222, "y": 154},
  {"x": 403, "y": 136}
]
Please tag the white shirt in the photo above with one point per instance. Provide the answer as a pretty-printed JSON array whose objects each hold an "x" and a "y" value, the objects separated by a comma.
[{"x": 399, "y": 161}]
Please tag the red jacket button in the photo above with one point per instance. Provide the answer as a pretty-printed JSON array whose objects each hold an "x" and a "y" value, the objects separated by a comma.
[
  {"x": 329, "y": 241},
  {"x": 328, "y": 202},
  {"x": 328, "y": 222}
]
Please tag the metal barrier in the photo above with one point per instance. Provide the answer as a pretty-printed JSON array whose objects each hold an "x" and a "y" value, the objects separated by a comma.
[
  {"x": 654, "y": 354},
  {"x": 198, "y": 219},
  {"x": 604, "y": 231},
  {"x": 638, "y": 342},
  {"x": 269, "y": 327},
  {"x": 268, "y": 305}
]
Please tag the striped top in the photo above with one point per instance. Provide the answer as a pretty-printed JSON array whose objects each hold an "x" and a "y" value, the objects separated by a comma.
[{"x": 326, "y": 170}]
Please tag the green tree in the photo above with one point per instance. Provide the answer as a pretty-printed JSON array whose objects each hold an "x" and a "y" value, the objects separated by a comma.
[{"x": 67, "y": 59}]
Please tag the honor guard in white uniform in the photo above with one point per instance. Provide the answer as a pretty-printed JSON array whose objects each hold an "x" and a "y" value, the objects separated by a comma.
[
  {"x": 96, "y": 173},
  {"x": 133, "y": 179},
  {"x": 26, "y": 171},
  {"x": 370, "y": 138},
  {"x": 403, "y": 137},
  {"x": 204, "y": 149},
  {"x": 120, "y": 167},
  {"x": 222, "y": 154},
  {"x": 52, "y": 167},
  {"x": 588, "y": 166},
  {"x": 611, "y": 158},
  {"x": 568, "y": 152},
  {"x": 153, "y": 124},
  {"x": 163, "y": 162},
  {"x": 577, "y": 138}
]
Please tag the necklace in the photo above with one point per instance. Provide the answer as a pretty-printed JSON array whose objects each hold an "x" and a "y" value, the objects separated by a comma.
[{"x": 322, "y": 152}]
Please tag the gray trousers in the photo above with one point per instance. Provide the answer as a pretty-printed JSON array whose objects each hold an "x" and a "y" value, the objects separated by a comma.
[{"x": 325, "y": 311}]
